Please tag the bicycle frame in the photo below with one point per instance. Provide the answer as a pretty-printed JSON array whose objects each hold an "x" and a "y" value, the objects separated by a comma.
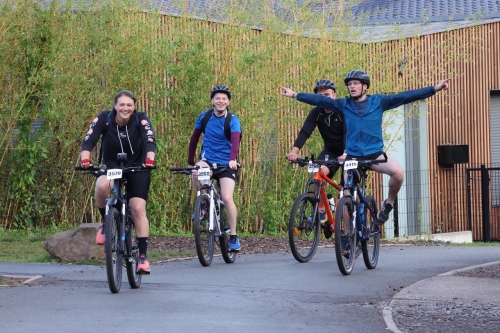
[
  {"x": 358, "y": 193},
  {"x": 119, "y": 201},
  {"x": 319, "y": 179},
  {"x": 358, "y": 196},
  {"x": 214, "y": 206}
]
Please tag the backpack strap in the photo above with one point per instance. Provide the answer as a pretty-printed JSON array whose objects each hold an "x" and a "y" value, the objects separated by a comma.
[
  {"x": 227, "y": 126},
  {"x": 205, "y": 119},
  {"x": 227, "y": 123}
]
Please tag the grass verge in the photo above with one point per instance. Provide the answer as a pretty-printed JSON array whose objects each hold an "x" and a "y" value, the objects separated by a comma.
[{"x": 27, "y": 247}]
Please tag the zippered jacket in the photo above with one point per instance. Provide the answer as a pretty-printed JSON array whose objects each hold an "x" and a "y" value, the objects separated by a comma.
[
  {"x": 133, "y": 140},
  {"x": 331, "y": 127},
  {"x": 364, "y": 131}
]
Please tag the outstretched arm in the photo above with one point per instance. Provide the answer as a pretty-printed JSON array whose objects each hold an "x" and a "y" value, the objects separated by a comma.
[
  {"x": 314, "y": 99},
  {"x": 389, "y": 102},
  {"x": 443, "y": 85},
  {"x": 288, "y": 92}
]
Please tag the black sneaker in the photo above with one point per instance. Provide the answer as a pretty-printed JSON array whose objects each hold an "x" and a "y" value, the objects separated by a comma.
[
  {"x": 326, "y": 230},
  {"x": 383, "y": 215}
]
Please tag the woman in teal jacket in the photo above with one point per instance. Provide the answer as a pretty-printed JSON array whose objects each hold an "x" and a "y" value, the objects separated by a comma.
[{"x": 363, "y": 117}]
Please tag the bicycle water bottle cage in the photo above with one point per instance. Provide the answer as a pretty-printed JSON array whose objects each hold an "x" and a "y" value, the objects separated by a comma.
[{"x": 121, "y": 157}]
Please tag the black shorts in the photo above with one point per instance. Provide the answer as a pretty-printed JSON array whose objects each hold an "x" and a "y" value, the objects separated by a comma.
[
  {"x": 331, "y": 156},
  {"x": 364, "y": 158},
  {"x": 138, "y": 184},
  {"x": 233, "y": 174},
  {"x": 230, "y": 173}
]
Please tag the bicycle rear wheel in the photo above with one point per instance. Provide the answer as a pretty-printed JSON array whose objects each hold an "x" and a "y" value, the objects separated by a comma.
[
  {"x": 113, "y": 250},
  {"x": 203, "y": 237},
  {"x": 229, "y": 257},
  {"x": 359, "y": 249},
  {"x": 304, "y": 228},
  {"x": 345, "y": 235},
  {"x": 371, "y": 232},
  {"x": 134, "y": 279}
]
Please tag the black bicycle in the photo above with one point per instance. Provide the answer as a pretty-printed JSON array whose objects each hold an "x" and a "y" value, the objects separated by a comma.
[
  {"x": 356, "y": 216},
  {"x": 210, "y": 223},
  {"x": 120, "y": 245}
]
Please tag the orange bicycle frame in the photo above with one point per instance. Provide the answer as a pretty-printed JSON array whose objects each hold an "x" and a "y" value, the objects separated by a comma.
[{"x": 320, "y": 176}]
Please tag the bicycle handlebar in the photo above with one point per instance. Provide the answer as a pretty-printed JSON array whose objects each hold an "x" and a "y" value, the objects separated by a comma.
[
  {"x": 306, "y": 160},
  {"x": 100, "y": 171},
  {"x": 187, "y": 170},
  {"x": 361, "y": 163}
]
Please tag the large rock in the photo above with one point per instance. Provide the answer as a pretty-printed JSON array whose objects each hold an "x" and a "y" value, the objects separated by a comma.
[{"x": 75, "y": 245}]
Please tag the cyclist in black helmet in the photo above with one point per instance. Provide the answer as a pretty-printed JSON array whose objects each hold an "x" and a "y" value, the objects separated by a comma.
[
  {"x": 331, "y": 127},
  {"x": 218, "y": 149},
  {"x": 363, "y": 117}
]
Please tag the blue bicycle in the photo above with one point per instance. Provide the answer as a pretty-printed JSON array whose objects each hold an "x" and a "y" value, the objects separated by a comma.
[{"x": 356, "y": 217}]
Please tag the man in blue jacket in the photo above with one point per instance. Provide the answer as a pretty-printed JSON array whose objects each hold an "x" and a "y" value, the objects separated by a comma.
[{"x": 363, "y": 117}]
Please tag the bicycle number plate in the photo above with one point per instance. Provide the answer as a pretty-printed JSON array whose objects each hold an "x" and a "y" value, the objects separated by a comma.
[
  {"x": 114, "y": 173},
  {"x": 204, "y": 174},
  {"x": 312, "y": 168},
  {"x": 348, "y": 165}
]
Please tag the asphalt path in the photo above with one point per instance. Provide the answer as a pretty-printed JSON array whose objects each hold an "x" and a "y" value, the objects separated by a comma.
[{"x": 258, "y": 293}]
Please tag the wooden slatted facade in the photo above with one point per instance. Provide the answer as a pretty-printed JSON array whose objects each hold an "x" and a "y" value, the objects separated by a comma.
[{"x": 458, "y": 116}]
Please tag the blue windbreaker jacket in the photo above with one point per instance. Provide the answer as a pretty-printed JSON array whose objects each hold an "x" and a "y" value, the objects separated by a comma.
[{"x": 364, "y": 132}]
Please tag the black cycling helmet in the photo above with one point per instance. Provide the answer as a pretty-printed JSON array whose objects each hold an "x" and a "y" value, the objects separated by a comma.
[
  {"x": 358, "y": 74},
  {"x": 220, "y": 89},
  {"x": 324, "y": 84}
]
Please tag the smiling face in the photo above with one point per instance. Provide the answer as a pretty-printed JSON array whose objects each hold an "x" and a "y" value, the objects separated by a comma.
[
  {"x": 220, "y": 102},
  {"x": 124, "y": 108}
]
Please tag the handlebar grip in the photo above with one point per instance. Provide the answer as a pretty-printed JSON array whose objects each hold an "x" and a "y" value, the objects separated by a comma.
[{"x": 183, "y": 169}]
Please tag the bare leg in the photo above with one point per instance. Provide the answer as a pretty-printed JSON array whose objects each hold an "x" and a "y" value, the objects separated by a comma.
[
  {"x": 395, "y": 172},
  {"x": 227, "y": 191}
]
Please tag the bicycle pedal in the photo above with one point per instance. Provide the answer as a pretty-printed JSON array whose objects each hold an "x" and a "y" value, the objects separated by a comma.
[{"x": 143, "y": 273}]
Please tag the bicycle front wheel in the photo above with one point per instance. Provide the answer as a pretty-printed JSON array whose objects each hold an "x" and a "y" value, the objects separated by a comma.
[
  {"x": 203, "y": 237},
  {"x": 345, "y": 235},
  {"x": 229, "y": 257},
  {"x": 112, "y": 247},
  {"x": 371, "y": 234},
  {"x": 134, "y": 279},
  {"x": 304, "y": 228}
]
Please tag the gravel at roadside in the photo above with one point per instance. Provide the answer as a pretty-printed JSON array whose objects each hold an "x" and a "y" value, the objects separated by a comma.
[{"x": 461, "y": 313}]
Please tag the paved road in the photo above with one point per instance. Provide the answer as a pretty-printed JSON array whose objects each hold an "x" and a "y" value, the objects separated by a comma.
[{"x": 258, "y": 293}]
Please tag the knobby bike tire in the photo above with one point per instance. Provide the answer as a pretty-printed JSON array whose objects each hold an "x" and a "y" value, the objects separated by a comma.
[
  {"x": 113, "y": 250},
  {"x": 134, "y": 279},
  {"x": 345, "y": 235},
  {"x": 229, "y": 257},
  {"x": 371, "y": 246},
  {"x": 203, "y": 238},
  {"x": 304, "y": 228}
]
